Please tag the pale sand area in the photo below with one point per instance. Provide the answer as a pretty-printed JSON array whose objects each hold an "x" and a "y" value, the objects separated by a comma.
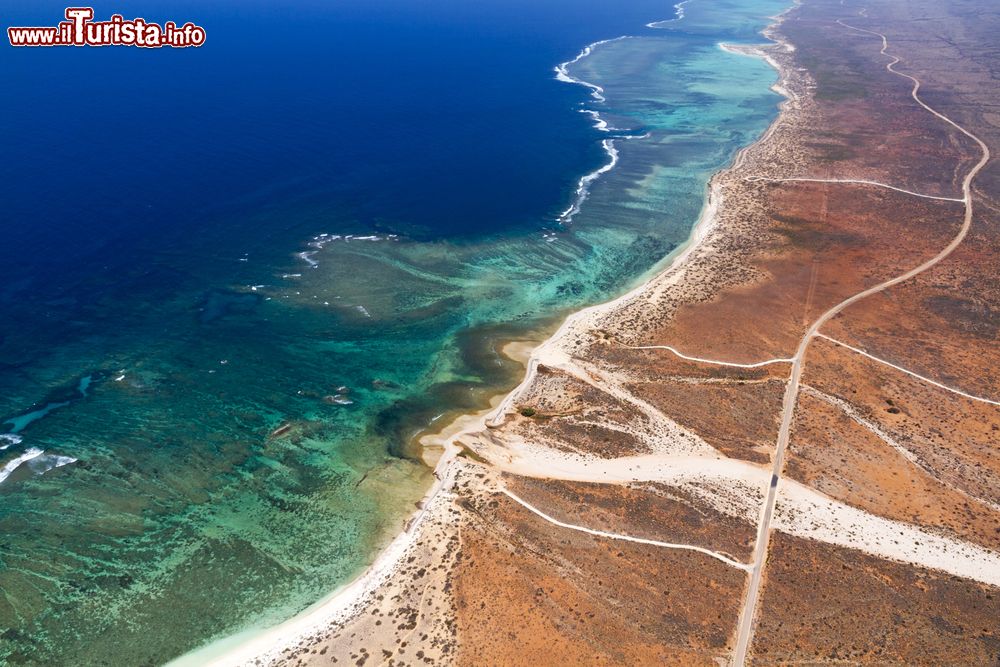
[
  {"x": 439, "y": 451},
  {"x": 733, "y": 487},
  {"x": 273, "y": 645},
  {"x": 434, "y": 444},
  {"x": 268, "y": 646},
  {"x": 728, "y": 485}
]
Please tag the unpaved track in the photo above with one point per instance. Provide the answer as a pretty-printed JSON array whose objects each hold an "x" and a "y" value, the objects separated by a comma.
[
  {"x": 851, "y": 181},
  {"x": 908, "y": 372},
  {"x": 746, "y": 622},
  {"x": 714, "y": 362},
  {"x": 628, "y": 538}
]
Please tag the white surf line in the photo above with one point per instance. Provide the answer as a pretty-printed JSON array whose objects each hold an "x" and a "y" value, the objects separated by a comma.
[
  {"x": 855, "y": 181},
  {"x": 15, "y": 463},
  {"x": 583, "y": 185},
  {"x": 908, "y": 372},
  {"x": 596, "y": 92},
  {"x": 627, "y": 538},
  {"x": 701, "y": 360},
  {"x": 678, "y": 15},
  {"x": 562, "y": 73},
  {"x": 746, "y": 623},
  {"x": 672, "y": 265}
]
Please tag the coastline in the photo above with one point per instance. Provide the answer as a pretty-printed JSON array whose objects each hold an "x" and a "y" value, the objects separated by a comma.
[
  {"x": 266, "y": 646},
  {"x": 273, "y": 644},
  {"x": 699, "y": 231}
]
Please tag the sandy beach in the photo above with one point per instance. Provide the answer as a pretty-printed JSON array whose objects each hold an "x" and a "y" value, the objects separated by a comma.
[
  {"x": 441, "y": 449},
  {"x": 666, "y": 428}
]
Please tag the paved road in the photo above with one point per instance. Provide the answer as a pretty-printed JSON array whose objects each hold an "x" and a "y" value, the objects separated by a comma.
[{"x": 746, "y": 622}]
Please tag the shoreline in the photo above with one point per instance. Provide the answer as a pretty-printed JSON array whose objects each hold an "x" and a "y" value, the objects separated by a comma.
[
  {"x": 434, "y": 444},
  {"x": 258, "y": 646},
  {"x": 261, "y": 647}
]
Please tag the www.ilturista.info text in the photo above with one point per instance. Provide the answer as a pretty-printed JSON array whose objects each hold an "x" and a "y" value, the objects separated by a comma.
[{"x": 79, "y": 29}]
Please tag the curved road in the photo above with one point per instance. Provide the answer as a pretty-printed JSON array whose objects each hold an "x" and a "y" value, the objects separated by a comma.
[{"x": 746, "y": 622}]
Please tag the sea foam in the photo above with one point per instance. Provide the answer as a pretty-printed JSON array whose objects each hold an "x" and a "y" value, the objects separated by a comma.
[
  {"x": 562, "y": 71},
  {"x": 320, "y": 241},
  {"x": 678, "y": 15},
  {"x": 8, "y": 439},
  {"x": 583, "y": 187},
  {"x": 46, "y": 462},
  {"x": 597, "y": 92},
  {"x": 14, "y": 464}
]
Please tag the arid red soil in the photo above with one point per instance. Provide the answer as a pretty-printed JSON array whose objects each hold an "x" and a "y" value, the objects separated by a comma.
[
  {"x": 489, "y": 581},
  {"x": 828, "y": 604}
]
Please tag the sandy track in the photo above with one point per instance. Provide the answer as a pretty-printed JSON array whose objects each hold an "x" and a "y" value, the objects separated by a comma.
[
  {"x": 728, "y": 486},
  {"x": 745, "y": 628},
  {"x": 908, "y": 372},
  {"x": 628, "y": 538},
  {"x": 852, "y": 181},
  {"x": 714, "y": 362}
]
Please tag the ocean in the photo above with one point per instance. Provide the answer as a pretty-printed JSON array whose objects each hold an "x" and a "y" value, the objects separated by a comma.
[{"x": 237, "y": 281}]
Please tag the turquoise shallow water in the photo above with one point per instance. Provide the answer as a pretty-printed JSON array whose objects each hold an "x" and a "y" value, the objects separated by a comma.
[{"x": 185, "y": 518}]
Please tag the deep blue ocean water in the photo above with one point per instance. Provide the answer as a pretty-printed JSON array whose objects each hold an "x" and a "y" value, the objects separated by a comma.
[
  {"x": 159, "y": 322},
  {"x": 445, "y": 109}
]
